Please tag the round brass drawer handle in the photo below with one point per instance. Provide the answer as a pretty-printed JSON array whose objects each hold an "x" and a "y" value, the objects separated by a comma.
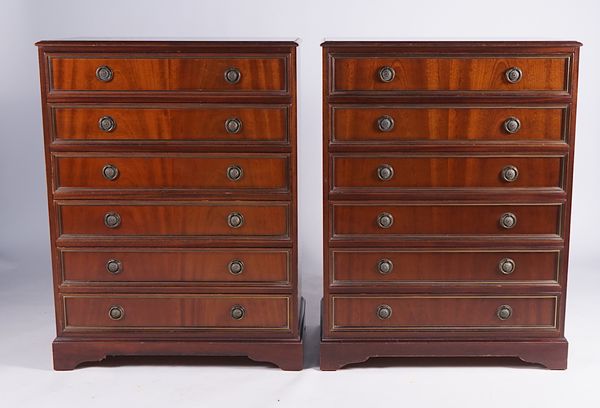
[
  {"x": 235, "y": 220},
  {"x": 512, "y": 125},
  {"x": 385, "y": 266},
  {"x": 233, "y": 125},
  {"x": 110, "y": 172},
  {"x": 116, "y": 313},
  {"x": 238, "y": 312},
  {"x": 232, "y": 75},
  {"x": 384, "y": 312},
  {"x": 510, "y": 173},
  {"x": 386, "y": 74},
  {"x": 112, "y": 220},
  {"x": 506, "y": 266},
  {"x": 107, "y": 124},
  {"x": 236, "y": 267},
  {"x": 104, "y": 73},
  {"x": 385, "y": 172},
  {"x": 504, "y": 312},
  {"x": 513, "y": 75},
  {"x": 385, "y": 220},
  {"x": 385, "y": 123},
  {"x": 234, "y": 173},
  {"x": 114, "y": 266},
  {"x": 508, "y": 220}
]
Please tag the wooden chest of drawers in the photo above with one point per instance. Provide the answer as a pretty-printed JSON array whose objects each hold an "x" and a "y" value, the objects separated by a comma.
[
  {"x": 447, "y": 199},
  {"x": 172, "y": 198}
]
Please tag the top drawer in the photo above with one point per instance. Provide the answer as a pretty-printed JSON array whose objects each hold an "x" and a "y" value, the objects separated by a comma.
[
  {"x": 227, "y": 74},
  {"x": 445, "y": 74}
]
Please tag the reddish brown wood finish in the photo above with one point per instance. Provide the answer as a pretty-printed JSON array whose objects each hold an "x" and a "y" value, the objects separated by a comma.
[
  {"x": 356, "y": 124},
  {"x": 360, "y": 267},
  {"x": 171, "y": 220},
  {"x": 201, "y": 266},
  {"x": 448, "y": 147},
  {"x": 431, "y": 73},
  {"x": 432, "y": 219},
  {"x": 264, "y": 172},
  {"x": 175, "y": 312},
  {"x": 168, "y": 73},
  {"x": 169, "y": 101},
  {"x": 450, "y": 313},
  {"x": 69, "y": 352},
  {"x": 167, "y": 122},
  {"x": 551, "y": 353},
  {"x": 350, "y": 172}
]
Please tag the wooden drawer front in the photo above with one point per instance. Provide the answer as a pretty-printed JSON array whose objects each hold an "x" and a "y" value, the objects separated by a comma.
[
  {"x": 445, "y": 172},
  {"x": 442, "y": 312},
  {"x": 440, "y": 219},
  {"x": 475, "y": 74},
  {"x": 172, "y": 123},
  {"x": 176, "y": 312},
  {"x": 175, "y": 73},
  {"x": 175, "y": 172},
  {"x": 393, "y": 267},
  {"x": 175, "y": 219},
  {"x": 411, "y": 123},
  {"x": 218, "y": 266}
]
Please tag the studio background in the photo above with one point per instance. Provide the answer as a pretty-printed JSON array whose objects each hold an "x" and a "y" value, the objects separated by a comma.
[{"x": 26, "y": 306}]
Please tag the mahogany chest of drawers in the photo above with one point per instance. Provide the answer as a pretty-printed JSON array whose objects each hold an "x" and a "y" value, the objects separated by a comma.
[
  {"x": 171, "y": 172},
  {"x": 447, "y": 199}
]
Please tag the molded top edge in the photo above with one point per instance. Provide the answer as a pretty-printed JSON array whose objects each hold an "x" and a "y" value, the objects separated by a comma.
[
  {"x": 469, "y": 44},
  {"x": 207, "y": 43}
]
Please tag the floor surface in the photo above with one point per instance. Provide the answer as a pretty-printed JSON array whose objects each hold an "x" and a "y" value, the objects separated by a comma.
[{"x": 27, "y": 378}]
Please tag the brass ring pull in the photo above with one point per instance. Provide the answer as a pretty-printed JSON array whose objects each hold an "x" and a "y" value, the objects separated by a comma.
[
  {"x": 104, "y": 73},
  {"x": 386, "y": 74},
  {"x": 116, "y": 313},
  {"x": 384, "y": 312}
]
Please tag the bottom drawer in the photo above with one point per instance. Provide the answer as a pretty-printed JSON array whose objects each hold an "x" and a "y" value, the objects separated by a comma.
[
  {"x": 445, "y": 313},
  {"x": 175, "y": 312}
]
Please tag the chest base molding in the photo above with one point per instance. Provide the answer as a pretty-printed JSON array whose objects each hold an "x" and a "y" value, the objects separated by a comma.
[
  {"x": 286, "y": 353},
  {"x": 551, "y": 354}
]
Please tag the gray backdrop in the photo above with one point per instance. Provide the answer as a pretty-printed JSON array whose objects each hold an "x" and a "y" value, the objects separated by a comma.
[{"x": 26, "y": 315}]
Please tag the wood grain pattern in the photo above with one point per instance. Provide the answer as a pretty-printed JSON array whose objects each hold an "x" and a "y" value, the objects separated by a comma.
[
  {"x": 200, "y": 266},
  {"x": 164, "y": 73},
  {"x": 472, "y": 73},
  {"x": 442, "y": 312},
  {"x": 170, "y": 101},
  {"x": 360, "y": 267},
  {"x": 266, "y": 172},
  {"x": 448, "y": 102},
  {"x": 209, "y": 219},
  {"x": 182, "y": 312},
  {"x": 352, "y": 124},
  {"x": 439, "y": 219},
  {"x": 351, "y": 172},
  {"x": 167, "y": 122},
  {"x": 549, "y": 352}
]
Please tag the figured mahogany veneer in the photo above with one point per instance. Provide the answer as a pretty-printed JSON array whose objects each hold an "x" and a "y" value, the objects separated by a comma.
[
  {"x": 447, "y": 172},
  {"x": 191, "y": 266},
  {"x": 358, "y": 124},
  {"x": 432, "y": 73},
  {"x": 351, "y": 172},
  {"x": 176, "y": 312},
  {"x": 172, "y": 73},
  {"x": 431, "y": 219},
  {"x": 264, "y": 172},
  {"x": 168, "y": 122},
  {"x": 171, "y": 169},
  {"x": 175, "y": 219},
  {"x": 359, "y": 268},
  {"x": 442, "y": 313}
]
